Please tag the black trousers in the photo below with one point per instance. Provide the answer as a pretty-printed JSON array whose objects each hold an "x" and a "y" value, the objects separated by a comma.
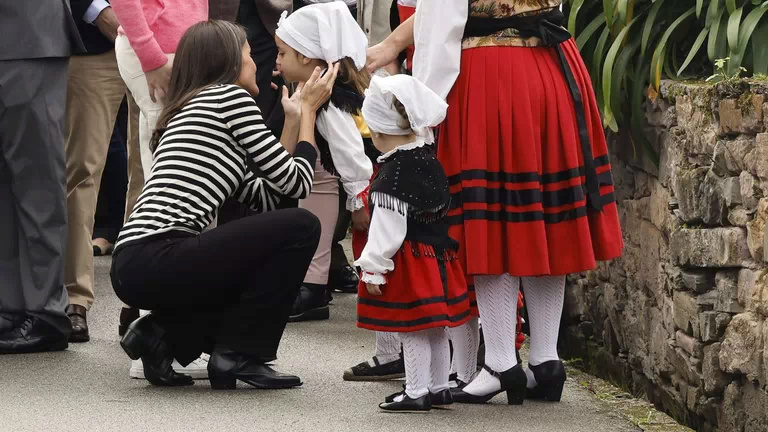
[
  {"x": 229, "y": 289},
  {"x": 110, "y": 208},
  {"x": 338, "y": 257}
]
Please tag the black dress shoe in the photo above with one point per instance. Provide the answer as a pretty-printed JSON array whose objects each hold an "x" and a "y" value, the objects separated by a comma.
[
  {"x": 513, "y": 381},
  {"x": 550, "y": 380},
  {"x": 378, "y": 372},
  {"x": 225, "y": 369},
  {"x": 7, "y": 323},
  {"x": 439, "y": 400},
  {"x": 33, "y": 335},
  {"x": 127, "y": 316},
  {"x": 344, "y": 279},
  {"x": 78, "y": 317},
  {"x": 311, "y": 304},
  {"x": 144, "y": 340},
  {"x": 408, "y": 405}
]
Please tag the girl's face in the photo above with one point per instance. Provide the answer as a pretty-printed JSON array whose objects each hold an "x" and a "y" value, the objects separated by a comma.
[
  {"x": 247, "y": 79},
  {"x": 293, "y": 66}
]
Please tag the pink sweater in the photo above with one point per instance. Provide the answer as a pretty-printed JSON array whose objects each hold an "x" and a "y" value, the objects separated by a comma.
[{"x": 154, "y": 27}]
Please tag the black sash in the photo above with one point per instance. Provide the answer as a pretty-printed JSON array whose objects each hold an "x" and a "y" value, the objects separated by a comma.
[{"x": 548, "y": 27}]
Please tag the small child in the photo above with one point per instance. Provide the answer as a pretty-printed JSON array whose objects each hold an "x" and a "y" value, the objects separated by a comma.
[{"x": 412, "y": 282}]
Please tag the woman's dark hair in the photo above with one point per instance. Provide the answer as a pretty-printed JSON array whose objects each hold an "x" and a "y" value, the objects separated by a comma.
[
  {"x": 404, "y": 122},
  {"x": 209, "y": 53}
]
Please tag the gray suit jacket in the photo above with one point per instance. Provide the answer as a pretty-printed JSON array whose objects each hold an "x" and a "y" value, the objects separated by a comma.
[
  {"x": 269, "y": 10},
  {"x": 37, "y": 29}
]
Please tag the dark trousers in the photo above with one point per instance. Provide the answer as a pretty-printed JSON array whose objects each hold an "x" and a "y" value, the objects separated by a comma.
[
  {"x": 33, "y": 196},
  {"x": 229, "y": 289},
  {"x": 110, "y": 210},
  {"x": 338, "y": 257}
]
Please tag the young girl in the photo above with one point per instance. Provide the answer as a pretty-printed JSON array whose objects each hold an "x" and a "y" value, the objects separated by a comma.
[
  {"x": 313, "y": 36},
  {"x": 413, "y": 283}
]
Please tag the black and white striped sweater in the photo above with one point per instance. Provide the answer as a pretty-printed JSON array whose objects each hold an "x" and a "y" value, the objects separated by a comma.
[{"x": 201, "y": 161}]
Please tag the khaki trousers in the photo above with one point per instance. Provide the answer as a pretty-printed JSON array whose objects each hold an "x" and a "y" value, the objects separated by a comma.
[
  {"x": 323, "y": 202},
  {"x": 94, "y": 93}
]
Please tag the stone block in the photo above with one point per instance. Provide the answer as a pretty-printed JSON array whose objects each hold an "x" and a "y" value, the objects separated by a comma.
[
  {"x": 698, "y": 281},
  {"x": 731, "y": 120},
  {"x": 744, "y": 115},
  {"x": 739, "y": 216},
  {"x": 692, "y": 399},
  {"x": 727, "y": 292},
  {"x": 714, "y": 378},
  {"x": 742, "y": 349},
  {"x": 700, "y": 196},
  {"x": 732, "y": 409},
  {"x": 689, "y": 344},
  {"x": 688, "y": 367},
  {"x": 707, "y": 300},
  {"x": 686, "y": 312},
  {"x": 708, "y": 326},
  {"x": 764, "y": 378},
  {"x": 756, "y": 161},
  {"x": 574, "y": 303},
  {"x": 759, "y": 298},
  {"x": 756, "y": 231},
  {"x": 750, "y": 190},
  {"x": 711, "y": 248},
  {"x": 729, "y": 155},
  {"x": 731, "y": 190},
  {"x": 661, "y": 216},
  {"x": 748, "y": 285}
]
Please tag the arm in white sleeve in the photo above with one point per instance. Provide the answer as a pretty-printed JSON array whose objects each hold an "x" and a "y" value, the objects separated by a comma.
[
  {"x": 385, "y": 236},
  {"x": 94, "y": 10},
  {"x": 438, "y": 32},
  {"x": 347, "y": 151}
]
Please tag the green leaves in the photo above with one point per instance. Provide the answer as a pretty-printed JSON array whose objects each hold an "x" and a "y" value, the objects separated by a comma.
[{"x": 631, "y": 45}]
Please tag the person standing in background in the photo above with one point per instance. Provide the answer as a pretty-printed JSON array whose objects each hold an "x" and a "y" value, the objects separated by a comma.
[
  {"x": 33, "y": 218},
  {"x": 95, "y": 92}
]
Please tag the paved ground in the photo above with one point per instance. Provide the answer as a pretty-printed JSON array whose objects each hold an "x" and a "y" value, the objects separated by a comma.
[{"x": 87, "y": 388}]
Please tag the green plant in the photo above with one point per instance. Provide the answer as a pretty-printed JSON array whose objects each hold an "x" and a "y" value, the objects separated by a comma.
[
  {"x": 722, "y": 74},
  {"x": 630, "y": 45}
]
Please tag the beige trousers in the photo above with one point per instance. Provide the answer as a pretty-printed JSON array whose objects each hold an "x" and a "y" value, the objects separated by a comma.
[
  {"x": 323, "y": 202},
  {"x": 94, "y": 93}
]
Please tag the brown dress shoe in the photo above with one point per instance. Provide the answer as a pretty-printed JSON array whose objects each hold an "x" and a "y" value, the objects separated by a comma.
[{"x": 78, "y": 316}]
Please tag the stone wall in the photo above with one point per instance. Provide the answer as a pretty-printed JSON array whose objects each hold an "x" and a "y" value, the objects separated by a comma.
[{"x": 682, "y": 315}]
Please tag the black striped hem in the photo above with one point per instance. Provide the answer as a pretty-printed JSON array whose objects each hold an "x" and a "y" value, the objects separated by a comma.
[
  {"x": 413, "y": 304},
  {"x": 413, "y": 323},
  {"x": 526, "y": 177}
]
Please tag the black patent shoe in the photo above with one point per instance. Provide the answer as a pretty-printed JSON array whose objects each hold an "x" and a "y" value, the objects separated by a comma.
[
  {"x": 143, "y": 340},
  {"x": 311, "y": 304},
  {"x": 550, "y": 380},
  {"x": 30, "y": 335},
  {"x": 225, "y": 369},
  {"x": 408, "y": 405},
  {"x": 378, "y": 372},
  {"x": 439, "y": 400},
  {"x": 344, "y": 280},
  {"x": 127, "y": 316},
  {"x": 513, "y": 381}
]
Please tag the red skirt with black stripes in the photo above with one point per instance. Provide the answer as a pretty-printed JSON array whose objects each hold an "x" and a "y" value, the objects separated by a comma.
[
  {"x": 415, "y": 296},
  {"x": 510, "y": 147}
]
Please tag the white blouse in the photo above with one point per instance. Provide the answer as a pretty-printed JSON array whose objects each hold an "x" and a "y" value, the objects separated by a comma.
[
  {"x": 348, "y": 153},
  {"x": 386, "y": 233}
]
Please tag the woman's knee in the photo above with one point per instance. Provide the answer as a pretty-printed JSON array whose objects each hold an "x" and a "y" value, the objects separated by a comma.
[{"x": 307, "y": 223}]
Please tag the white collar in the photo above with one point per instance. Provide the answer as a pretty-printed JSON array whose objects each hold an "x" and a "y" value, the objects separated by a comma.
[{"x": 410, "y": 146}]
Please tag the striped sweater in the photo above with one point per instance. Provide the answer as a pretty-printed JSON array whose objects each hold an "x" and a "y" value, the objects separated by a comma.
[{"x": 201, "y": 161}]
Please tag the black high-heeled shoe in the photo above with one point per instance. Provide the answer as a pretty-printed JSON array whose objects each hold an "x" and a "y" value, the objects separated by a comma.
[
  {"x": 513, "y": 381},
  {"x": 225, "y": 369},
  {"x": 550, "y": 380},
  {"x": 144, "y": 340}
]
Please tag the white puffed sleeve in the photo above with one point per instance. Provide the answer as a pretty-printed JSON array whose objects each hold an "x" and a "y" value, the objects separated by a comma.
[
  {"x": 437, "y": 34},
  {"x": 347, "y": 151},
  {"x": 385, "y": 236}
]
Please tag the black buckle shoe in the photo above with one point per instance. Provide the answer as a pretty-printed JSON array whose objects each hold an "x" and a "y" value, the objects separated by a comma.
[
  {"x": 378, "y": 372},
  {"x": 144, "y": 340},
  {"x": 550, "y": 380},
  {"x": 408, "y": 405},
  {"x": 513, "y": 381},
  {"x": 225, "y": 369},
  {"x": 344, "y": 280},
  {"x": 310, "y": 305},
  {"x": 440, "y": 400}
]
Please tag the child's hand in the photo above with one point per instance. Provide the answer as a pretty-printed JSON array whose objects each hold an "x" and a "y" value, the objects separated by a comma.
[
  {"x": 373, "y": 289},
  {"x": 361, "y": 220}
]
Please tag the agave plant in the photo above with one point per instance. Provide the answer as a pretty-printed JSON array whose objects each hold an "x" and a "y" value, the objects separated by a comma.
[{"x": 630, "y": 45}]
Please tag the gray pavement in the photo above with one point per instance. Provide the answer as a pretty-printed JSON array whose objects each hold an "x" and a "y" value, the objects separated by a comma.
[{"x": 87, "y": 389}]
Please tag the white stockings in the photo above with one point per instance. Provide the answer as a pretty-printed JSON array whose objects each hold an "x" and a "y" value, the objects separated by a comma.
[{"x": 427, "y": 361}]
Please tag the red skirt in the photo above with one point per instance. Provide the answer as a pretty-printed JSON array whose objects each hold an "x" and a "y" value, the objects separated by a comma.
[
  {"x": 414, "y": 297},
  {"x": 406, "y": 12},
  {"x": 511, "y": 150}
]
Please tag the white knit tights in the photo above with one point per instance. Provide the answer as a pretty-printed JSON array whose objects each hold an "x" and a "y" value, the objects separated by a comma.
[
  {"x": 387, "y": 347},
  {"x": 466, "y": 340},
  {"x": 497, "y": 301},
  {"x": 427, "y": 361}
]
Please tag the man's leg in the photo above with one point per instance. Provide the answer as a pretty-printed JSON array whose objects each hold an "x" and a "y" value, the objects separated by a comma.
[{"x": 33, "y": 94}]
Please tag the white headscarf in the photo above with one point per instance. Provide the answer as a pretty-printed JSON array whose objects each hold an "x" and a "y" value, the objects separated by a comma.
[
  {"x": 424, "y": 107},
  {"x": 324, "y": 31}
]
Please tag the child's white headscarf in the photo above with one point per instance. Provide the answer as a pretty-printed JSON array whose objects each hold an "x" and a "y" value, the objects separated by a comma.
[
  {"x": 324, "y": 31},
  {"x": 424, "y": 107}
]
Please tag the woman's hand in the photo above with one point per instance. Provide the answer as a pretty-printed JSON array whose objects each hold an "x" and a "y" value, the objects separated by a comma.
[
  {"x": 157, "y": 81},
  {"x": 373, "y": 289},
  {"x": 382, "y": 55},
  {"x": 361, "y": 220},
  {"x": 317, "y": 89},
  {"x": 292, "y": 104}
]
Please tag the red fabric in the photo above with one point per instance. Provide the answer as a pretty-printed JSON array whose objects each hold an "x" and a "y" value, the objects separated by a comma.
[
  {"x": 510, "y": 148},
  {"x": 405, "y": 13},
  {"x": 414, "y": 298}
]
